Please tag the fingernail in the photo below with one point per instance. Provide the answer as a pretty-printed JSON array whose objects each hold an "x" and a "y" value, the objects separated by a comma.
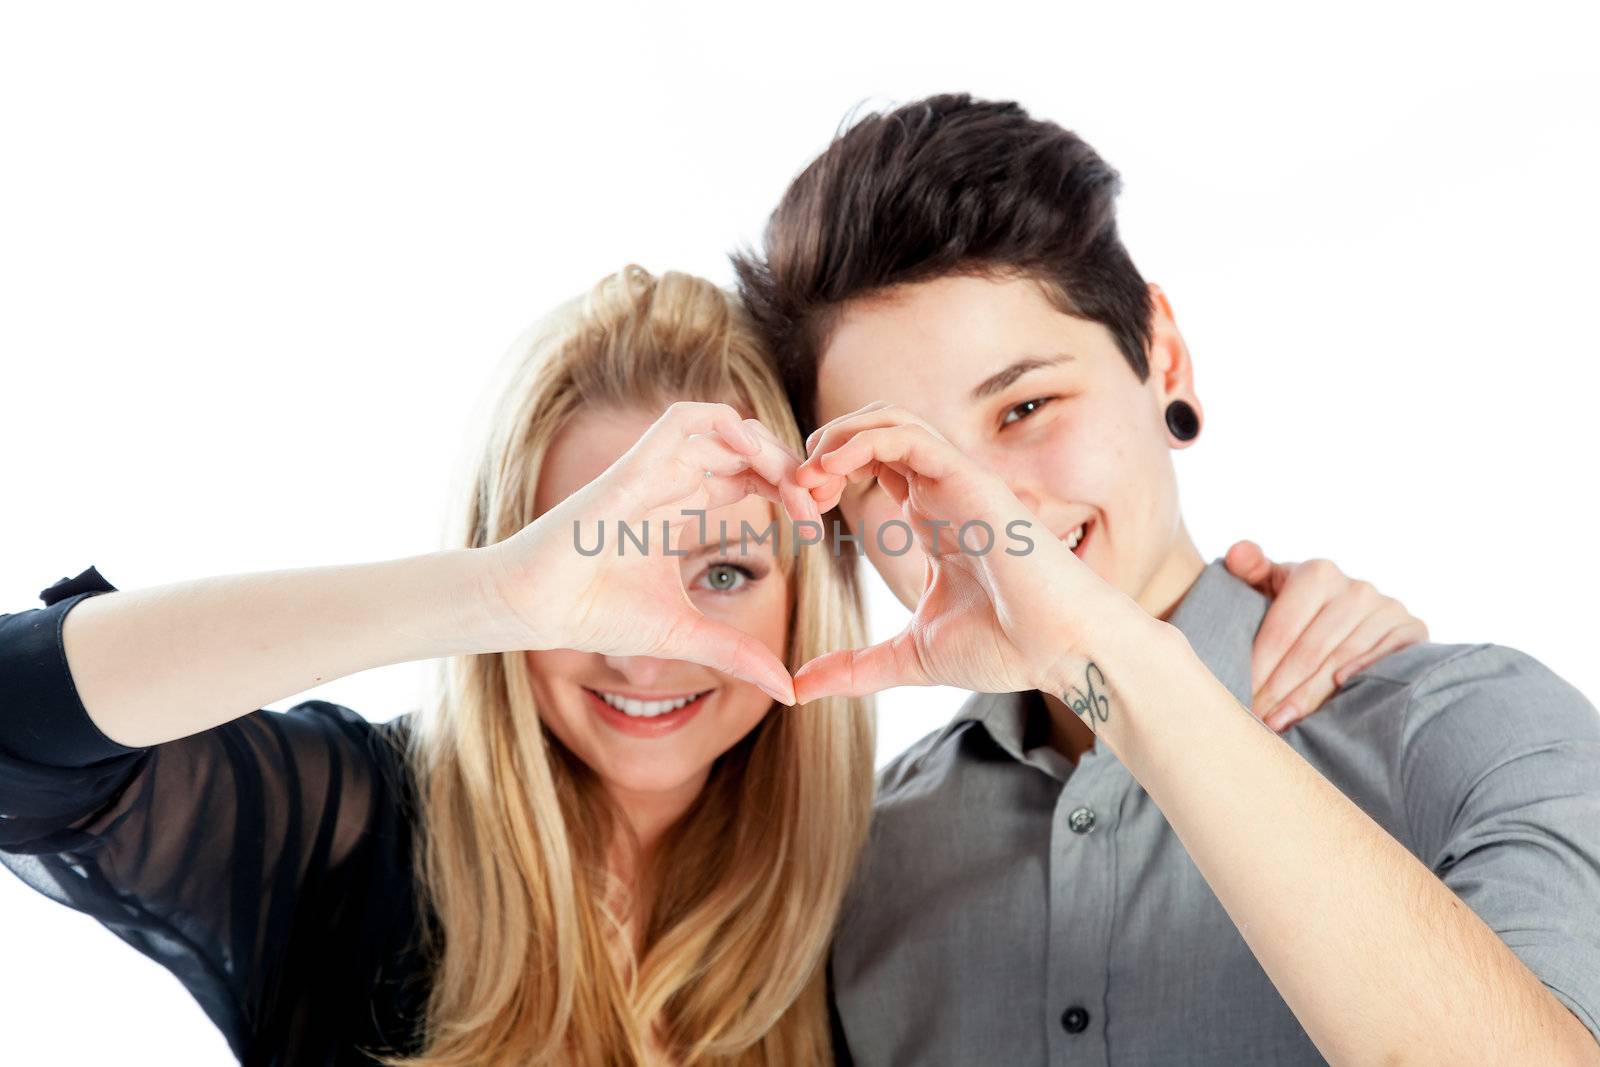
[{"x": 1283, "y": 717}]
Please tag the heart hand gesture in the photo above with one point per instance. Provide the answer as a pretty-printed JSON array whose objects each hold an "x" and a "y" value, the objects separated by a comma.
[
  {"x": 696, "y": 457},
  {"x": 1003, "y": 602}
]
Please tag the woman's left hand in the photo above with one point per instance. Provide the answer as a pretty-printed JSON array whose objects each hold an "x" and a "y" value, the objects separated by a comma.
[{"x": 1321, "y": 628}]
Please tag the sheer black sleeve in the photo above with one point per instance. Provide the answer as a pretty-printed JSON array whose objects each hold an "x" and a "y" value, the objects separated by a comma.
[{"x": 265, "y": 862}]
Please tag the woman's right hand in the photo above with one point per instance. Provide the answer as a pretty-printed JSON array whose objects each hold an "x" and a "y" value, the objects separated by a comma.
[{"x": 634, "y": 604}]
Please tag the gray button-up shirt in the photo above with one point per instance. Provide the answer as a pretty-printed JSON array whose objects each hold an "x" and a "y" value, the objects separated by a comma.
[{"x": 1014, "y": 909}]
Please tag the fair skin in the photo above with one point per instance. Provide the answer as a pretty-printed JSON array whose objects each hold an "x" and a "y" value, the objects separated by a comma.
[
  {"x": 153, "y": 665},
  {"x": 1309, "y": 879},
  {"x": 157, "y": 664},
  {"x": 1107, "y": 464},
  {"x": 653, "y": 767}
]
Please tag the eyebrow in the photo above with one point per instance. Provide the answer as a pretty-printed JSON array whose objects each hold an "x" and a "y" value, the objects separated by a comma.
[
  {"x": 996, "y": 382},
  {"x": 735, "y": 545}
]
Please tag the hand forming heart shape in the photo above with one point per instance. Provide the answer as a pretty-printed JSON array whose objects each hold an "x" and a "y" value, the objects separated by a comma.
[
  {"x": 985, "y": 622},
  {"x": 1001, "y": 620}
]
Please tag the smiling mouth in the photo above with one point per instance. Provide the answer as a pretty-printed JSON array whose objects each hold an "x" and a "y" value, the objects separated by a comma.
[
  {"x": 1074, "y": 539},
  {"x": 648, "y": 709}
]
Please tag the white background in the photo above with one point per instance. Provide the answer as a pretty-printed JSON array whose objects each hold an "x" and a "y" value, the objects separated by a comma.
[{"x": 255, "y": 266}]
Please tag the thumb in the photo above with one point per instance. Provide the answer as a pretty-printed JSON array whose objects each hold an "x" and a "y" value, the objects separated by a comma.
[
  {"x": 859, "y": 671},
  {"x": 721, "y": 647},
  {"x": 1248, "y": 563}
]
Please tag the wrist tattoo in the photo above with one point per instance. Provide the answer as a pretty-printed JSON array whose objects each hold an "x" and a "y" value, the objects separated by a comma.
[{"x": 1089, "y": 703}]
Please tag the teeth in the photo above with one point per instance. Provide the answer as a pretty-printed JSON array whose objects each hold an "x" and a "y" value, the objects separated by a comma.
[
  {"x": 1072, "y": 539},
  {"x": 645, "y": 709}
]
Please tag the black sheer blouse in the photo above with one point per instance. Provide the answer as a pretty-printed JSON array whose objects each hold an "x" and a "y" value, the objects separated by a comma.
[{"x": 267, "y": 862}]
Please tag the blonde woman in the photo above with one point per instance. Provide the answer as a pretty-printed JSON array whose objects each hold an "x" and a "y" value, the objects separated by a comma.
[{"x": 603, "y": 840}]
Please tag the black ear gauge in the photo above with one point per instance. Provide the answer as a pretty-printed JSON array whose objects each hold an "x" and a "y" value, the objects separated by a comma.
[{"x": 1182, "y": 420}]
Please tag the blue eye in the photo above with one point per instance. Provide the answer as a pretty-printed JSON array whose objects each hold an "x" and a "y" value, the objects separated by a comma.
[
  {"x": 1027, "y": 407},
  {"x": 726, "y": 577}
]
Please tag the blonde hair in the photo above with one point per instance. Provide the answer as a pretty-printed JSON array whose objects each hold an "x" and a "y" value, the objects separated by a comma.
[{"x": 514, "y": 829}]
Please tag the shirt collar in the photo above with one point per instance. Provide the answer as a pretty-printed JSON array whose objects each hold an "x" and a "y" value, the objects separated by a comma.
[{"x": 1219, "y": 616}]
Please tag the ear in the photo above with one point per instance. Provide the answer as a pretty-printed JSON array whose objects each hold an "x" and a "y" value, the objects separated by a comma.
[{"x": 1171, "y": 370}]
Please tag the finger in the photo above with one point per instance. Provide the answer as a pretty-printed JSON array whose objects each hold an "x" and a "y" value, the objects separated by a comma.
[
  {"x": 1365, "y": 637},
  {"x": 679, "y": 493},
  {"x": 1286, "y": 715},
  {"x": 721, "y": 647},
  {"x": 1309, "y": 586},
  {"x": 910, "y": 447},
  {"x": 827, "y": 486},
  {"x": 874, "y": 416},
  {"x": 1249, "y": 564},
  {"x": 685, "y": 418},
  {"x": 1312, "y": 693},
  {"x": 720, "y": 492},
  {"x": 680, "y": 478},
  {"x": 859, "y": 671},
  {"x": 761, "y": 429},
  {"x": 776, "y": 462},
  {"x": 1278, "y": 577},
  {"x": 836, "y": 484},
  {"x": 827, "y": 504},
  {"x": 827, "y": 497},
  {"x": 885, "y": 475},
  {"x": 814, "y": 435},
  {"x": 772, "y": 468},
  {"x": 1306, "y": 657},
  {"x": 1407, "y": 633},
  {"x": 672, "y": 467}
]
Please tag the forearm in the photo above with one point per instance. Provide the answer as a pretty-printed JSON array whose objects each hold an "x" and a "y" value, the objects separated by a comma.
[
  {"x": 1377, "y": 958},
  {"x": 152, "y": 665}
]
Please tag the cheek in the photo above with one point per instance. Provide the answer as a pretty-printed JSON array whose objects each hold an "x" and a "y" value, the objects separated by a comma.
[
  {"x": 768, "y": 618},
  {"x": 889, "y": 543},
  {"x": 547, "y": 670},
  {"x": 1100, "y": 457},
  {"x": 762, "y": 611},
  {"x": 744, "y": 708},
  {"x": 547, "y": 667}
]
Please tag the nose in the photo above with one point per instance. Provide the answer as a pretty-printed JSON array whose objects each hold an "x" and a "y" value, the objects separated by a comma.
[
  {"x": 1024, "y": 493},
  {"x": 639, "y": 670},
  {"x": 1015, "y": 471}
]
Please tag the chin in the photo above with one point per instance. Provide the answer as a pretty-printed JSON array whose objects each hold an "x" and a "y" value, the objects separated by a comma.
[
  {"x": 665, "y": 754},
  {"x": 657, "y": 773}
]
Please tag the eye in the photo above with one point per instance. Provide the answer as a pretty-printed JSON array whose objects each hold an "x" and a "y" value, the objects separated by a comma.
[
  {"x": 1024, "y": 409},
  {"x": 726, "y": 577}
]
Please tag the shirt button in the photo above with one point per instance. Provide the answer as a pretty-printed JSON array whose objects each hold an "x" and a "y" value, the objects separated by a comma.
[
  {"x": 1075, "y": 1020},
  {"x": 1081, "y": 820}
]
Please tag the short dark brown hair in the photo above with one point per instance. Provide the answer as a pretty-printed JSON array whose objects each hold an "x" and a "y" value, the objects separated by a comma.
[{"x": 945, "y": 185}]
